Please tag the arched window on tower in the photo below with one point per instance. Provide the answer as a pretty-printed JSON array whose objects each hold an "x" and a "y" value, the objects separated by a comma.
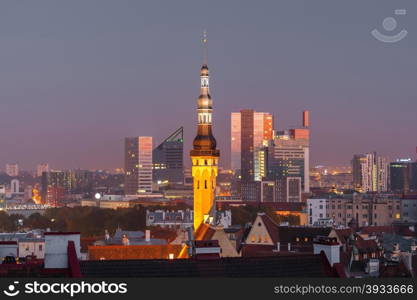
[
  {"x": 198, "y": 184},
  {"x": 205, "y": 184}
]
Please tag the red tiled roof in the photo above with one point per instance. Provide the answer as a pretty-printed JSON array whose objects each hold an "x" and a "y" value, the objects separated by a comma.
[
  {"x": 61, "y": 233},
  {"x": 277, "y": 206},
  {"x": 398, "y": 270},
  {"x": 115, "y": 252},
  {"x": 8, "y": 242},
  {"x": 376, "y": 229},
  {"x": 343, "y": 234},
  {"x": 204, "y": 232},
  {"x": 284, "y": 206},
  {"x": 366, "y": 245},
  {"x": 252, "y": 250},
  {"x": 289, "y": 234}
]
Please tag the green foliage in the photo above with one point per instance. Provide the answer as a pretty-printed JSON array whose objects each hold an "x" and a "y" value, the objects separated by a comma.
[
  {"x": 7, "y": 223},
  {"x": 90, "y": 221},
  {"x": 246, "y": 214}
]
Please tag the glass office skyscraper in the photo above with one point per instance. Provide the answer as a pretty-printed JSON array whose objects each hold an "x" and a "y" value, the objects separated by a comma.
[{"x": 168, "y": 159}]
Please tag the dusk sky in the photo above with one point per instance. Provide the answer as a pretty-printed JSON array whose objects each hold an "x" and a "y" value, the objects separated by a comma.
[{"x": 76, "y": 77}]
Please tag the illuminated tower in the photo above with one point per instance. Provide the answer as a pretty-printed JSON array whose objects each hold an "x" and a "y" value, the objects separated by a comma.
[{"x": 204, "y": 155}]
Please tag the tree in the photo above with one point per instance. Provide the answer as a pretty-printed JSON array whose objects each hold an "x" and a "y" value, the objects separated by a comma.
[{"x": 37, "y": 220}]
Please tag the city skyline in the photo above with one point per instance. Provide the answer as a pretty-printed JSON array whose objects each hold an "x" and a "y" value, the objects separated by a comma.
[{"x": 73, "y": 94}]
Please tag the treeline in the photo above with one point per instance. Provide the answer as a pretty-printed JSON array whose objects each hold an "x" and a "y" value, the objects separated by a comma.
[
  {"x": 92, "y": 221},
  {"x": 247, "y": 214}
]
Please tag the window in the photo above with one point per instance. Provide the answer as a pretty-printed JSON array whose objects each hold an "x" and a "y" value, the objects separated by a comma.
[
  {"x": 40, "y": 248},
  {"x": 205, "y": 184}
]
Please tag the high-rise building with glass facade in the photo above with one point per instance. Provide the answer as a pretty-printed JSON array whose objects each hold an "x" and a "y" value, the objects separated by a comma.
[
  {"x": 55, "y": 185},
  {"x": 168, "y": 159},
  {"x": 289, "y": 157},
  {"x": 249, "y": 131},
  {"x": 370, "y": 172},
  {"x": 2, "y": 197},
  {"x": 357, "y": 161},
  {"x": 138, "y": 165},
  {"x": 403, "y": 176}
]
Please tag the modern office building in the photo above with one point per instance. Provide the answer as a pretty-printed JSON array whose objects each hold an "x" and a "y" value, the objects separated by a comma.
[
  {"x": 138, "y": 165},
  {"x": 2, "y": 197},
  {"x": 235, "y": 141},
  {"x": 289, "y": 157},
  {"x": 370, "y": 173},
  {"x": 249, "y": 130},
  {"x": 403, "y": 176},
  {"x": 40, "y": 168},
  {"x": 15, "y": 186},
  {"x": 357, "y": 161},
  {"x": 55, "y": 185},
  {"x": 12, "y": 170},
  {"x": 289, "y": 189},
  {"x": 168, "y": 159}
]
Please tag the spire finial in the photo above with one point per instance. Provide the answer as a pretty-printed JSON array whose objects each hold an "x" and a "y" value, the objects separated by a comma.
[{"x": 204, "y": 40}]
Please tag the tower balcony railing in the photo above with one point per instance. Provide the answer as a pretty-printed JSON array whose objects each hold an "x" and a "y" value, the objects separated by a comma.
[{"x": 195, "y": 152}]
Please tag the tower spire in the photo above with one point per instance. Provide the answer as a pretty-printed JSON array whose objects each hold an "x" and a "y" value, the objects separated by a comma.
[{"x": 204, "y": 45}]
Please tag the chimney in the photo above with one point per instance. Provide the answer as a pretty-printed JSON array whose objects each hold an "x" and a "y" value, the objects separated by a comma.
[
  {"x": 147, "y": 235},
  {"x": 125, "y": 240},
  {"x": 56, "y": 248},
  {"x": 330, "y": 246},
  {"x": 306, "y": 120},
  {"x": 289, "y": 246},
  {"x": 278, "y": 246}
]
